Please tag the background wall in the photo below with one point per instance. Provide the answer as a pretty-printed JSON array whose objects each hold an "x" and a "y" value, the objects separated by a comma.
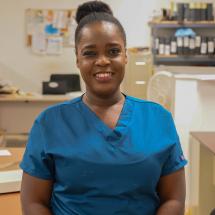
[{"x": 27, "y": 70}]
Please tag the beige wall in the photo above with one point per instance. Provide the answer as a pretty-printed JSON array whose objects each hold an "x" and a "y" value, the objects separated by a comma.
[
  {"x": 17, "y": 63},
  {"x": 27, "y": 70}
]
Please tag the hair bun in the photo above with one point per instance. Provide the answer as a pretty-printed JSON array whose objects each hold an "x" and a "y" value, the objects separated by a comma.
[{"x": 92, "y": 7}]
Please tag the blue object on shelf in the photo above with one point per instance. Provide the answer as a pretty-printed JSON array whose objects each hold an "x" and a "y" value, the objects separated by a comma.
[{"x": 183, "y": 32}]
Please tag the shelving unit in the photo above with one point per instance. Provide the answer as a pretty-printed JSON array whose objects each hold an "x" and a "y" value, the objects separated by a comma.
[
  {"x": 174, "y": 24},
  {"x": 168, "y": 28},
  {"x": 194, "y": 60}
]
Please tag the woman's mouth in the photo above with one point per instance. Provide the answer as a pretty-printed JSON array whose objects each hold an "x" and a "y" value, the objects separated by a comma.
[{"x": 103, "y": 76}]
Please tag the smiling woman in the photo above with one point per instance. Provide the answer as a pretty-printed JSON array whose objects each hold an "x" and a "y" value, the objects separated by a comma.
[
  {"x": 104, "y": 153},
  {"x": 101, "y": 58},
  {"x": 100, "y": 49}
]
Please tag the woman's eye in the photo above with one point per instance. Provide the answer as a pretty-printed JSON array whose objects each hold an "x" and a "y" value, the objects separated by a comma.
[
  {"x": 114, "y": 51},
  {"x": 89, "y": 53}
]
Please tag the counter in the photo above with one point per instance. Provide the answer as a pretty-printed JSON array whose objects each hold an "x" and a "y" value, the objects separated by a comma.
[
  {"x": 202, "y": 172},
  {"x": 17, "y": 113}
]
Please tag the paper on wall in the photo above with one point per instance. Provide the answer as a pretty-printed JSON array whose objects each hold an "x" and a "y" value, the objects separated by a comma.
[
  {"x": 60, "y": 19},
  {"x": 71, "y": 29},
  {"x": 30, "y": 21},
  {"x": 55, "y": 45},
  {"x": 39, "y": 43}
]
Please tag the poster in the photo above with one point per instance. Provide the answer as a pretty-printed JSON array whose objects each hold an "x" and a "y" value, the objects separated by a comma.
[{"x": 49, "y": 31}]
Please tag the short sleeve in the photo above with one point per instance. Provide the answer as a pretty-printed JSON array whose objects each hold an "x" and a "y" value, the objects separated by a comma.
[
  {"x": 35, "y": 161},
  {"x": 175, "y": 159}
]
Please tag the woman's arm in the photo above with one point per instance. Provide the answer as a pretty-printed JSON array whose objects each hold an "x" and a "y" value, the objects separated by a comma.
[
  {"x": 35, "y": 195},
  {"x": 171, "y": 190}
]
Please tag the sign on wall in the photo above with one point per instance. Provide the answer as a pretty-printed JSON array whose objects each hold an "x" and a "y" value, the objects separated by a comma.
[{"x": 48, "y": 31}]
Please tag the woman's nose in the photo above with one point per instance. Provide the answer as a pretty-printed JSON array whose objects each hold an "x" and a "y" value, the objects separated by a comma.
[{"x": 102, "y": 60}]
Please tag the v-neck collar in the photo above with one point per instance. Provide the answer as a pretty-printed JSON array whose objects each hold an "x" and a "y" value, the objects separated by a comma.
[{"x": 121, "y": 125}]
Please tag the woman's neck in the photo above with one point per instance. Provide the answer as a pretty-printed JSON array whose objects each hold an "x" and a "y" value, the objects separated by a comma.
[{"x": 103, "y": 101}]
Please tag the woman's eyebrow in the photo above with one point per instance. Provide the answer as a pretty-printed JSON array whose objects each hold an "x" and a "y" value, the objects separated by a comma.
[
  {"x": 113, "y": 44},
  {"x": 89, "y": 46}
]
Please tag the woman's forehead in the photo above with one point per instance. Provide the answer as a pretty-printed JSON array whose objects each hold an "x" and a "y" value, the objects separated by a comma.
[{"x": 100, "y": 31}]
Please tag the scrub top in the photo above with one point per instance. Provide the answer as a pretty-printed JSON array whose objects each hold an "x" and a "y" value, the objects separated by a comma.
[{"x": 97, "y": 170}]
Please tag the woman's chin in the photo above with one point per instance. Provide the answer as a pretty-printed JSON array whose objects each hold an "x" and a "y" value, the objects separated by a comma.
[{"x": 105, "y": 92}]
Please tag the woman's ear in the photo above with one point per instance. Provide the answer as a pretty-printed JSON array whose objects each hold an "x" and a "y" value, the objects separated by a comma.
[
  {"x": 126, "y": 56},
  {"x": 77, "y": 61}
]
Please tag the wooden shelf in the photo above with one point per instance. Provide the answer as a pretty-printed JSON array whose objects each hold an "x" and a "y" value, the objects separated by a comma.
[
  {"x": 185, "y": 60},
  {"x": 175, "y": 24},
  {"x": 38, "y": 98}
]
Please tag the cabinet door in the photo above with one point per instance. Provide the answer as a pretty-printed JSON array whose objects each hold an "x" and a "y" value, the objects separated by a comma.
[{"x": 138, "y": 72}]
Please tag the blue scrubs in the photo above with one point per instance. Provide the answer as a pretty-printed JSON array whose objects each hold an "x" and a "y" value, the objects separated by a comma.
[{"x": 100, "y": 171}]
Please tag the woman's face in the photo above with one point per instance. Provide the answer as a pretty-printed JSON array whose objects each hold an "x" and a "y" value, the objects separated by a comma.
[{"x": 101, "y": 57}]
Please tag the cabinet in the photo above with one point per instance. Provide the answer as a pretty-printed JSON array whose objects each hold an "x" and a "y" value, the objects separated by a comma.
[
  {"x": 138, "y": 71},
  {"x": 17, "y": 113},
  {"x": 167, "y": 29},
  {"x": 202, "y": 172}
]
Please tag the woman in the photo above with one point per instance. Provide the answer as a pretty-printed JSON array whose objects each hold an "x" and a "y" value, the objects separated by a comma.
[{"x": 103, "y": 153}]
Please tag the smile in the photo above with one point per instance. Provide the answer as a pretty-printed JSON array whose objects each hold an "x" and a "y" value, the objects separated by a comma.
[{"x": 103, "y": 76}]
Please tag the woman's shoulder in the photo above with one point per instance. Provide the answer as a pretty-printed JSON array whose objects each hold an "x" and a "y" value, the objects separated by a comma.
[
  {"x": 53, "y": 111},
  {"x": 144, "y": 102},
  {"x": 150, "y": 109}
]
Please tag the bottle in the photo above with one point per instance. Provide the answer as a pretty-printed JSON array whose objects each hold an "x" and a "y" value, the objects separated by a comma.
[
  {"x": 197, "y": 45},
  {"x": 186, "y": 12},
  {"x": 210, "y": 45},
  {"x": 198, "y": 12},
  {"x": 156, "y": 46},
  {"x": 210, "y": 12},
  {"x": 173, "y": 46},
  {"x": 175, "y": 12},
  {"x": 180, "y": 12},
  {"x": 214, "y": 45},
  {"x": 203, "y": 11},
  {"x": 164, "y": 14},
  {"x": 171, "y": 12},
  {"x": 180, "y": 45},
  {"x": 192, "y": 12},
  {"x": 186, "y": 44},
  {"x": 192, "y": 46},
  {"x": 204, "y": 46},
  {"x": 167, "y": 47},
  {"x": 161, "y": 46}
]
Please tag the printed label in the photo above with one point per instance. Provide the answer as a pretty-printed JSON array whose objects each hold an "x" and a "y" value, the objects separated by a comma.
[
  {"x": 179, "y": 41},
  {"x": 173, "y": 47},
  {"x": 203, "y": 48}
]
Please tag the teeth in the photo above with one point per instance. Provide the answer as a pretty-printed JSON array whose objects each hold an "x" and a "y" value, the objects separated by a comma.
[{"x": 103, "y": 75}]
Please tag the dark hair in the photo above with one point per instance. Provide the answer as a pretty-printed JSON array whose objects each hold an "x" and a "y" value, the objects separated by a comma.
[{"x": 94, "y": 11}]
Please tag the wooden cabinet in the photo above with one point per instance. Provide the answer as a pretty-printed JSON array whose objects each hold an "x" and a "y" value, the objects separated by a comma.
[
  {"x": 202, "y": 172},
  {"x": 17, "y": 113},
  {"x": 138, "y": 72}
]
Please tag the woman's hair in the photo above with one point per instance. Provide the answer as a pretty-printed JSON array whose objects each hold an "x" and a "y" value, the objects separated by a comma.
[{"x": 95, "y": 11}]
